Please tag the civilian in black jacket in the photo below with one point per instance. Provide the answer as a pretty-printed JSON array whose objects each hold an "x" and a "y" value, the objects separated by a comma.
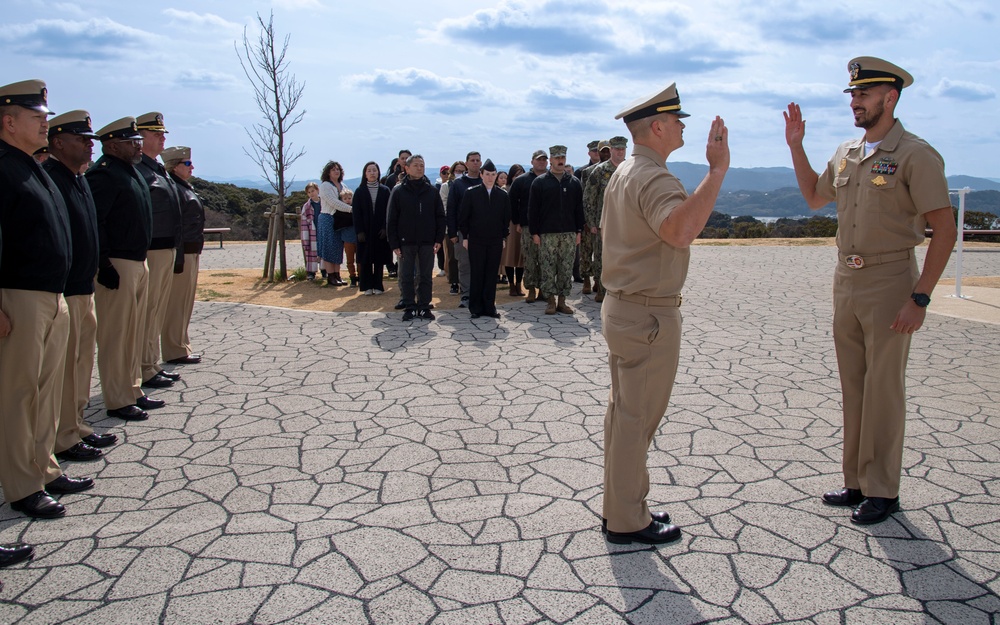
[
  {"x": 370, "y": 208},
  {"x": 71, "y": 146},
  {"x": 484, "y": 217},
  {"x": 415, "y": 227}
]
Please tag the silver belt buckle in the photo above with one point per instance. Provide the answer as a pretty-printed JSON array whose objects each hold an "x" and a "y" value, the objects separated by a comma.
[{"x": 854, "y": 261}]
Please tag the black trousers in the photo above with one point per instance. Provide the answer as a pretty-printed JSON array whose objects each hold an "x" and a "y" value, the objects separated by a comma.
[
  {"x": 484, "y": 263},
  {"x": 369, "y": 274},
  {"x": 416, "y": 275}
]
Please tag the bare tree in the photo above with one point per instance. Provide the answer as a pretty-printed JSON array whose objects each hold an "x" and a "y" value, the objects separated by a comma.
[{"x": 277, "y": 94}]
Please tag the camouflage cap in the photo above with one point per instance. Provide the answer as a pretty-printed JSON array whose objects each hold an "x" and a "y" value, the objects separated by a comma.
[
  {"x": 592, "y": 145},
  {"x": 618, "y": 142},
  {"x": 557, "y": 150},
  {"x": 539, "y": 154}
]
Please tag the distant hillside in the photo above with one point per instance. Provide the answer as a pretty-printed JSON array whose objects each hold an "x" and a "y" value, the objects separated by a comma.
[
  {"x": 691, "y": 174},
  {"x": 243, "y": 209}
]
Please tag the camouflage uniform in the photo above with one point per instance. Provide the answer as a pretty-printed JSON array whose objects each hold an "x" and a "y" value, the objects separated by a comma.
[
  {"x": 555, "y": 255},
  {"x": 586, "y": 242},
  {"x": 593, "y": 205},
  {"x": 532, "y": 267}
]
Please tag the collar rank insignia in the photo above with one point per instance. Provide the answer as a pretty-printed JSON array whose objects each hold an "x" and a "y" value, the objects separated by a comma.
[
  {"x": 843, "y": 166},
  {"x": 878, "y": 181},
  {"x": 884, "y": 166}
]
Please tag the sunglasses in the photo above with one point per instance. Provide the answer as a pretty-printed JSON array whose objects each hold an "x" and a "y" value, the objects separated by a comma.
[{"x": 186, "y": 163}]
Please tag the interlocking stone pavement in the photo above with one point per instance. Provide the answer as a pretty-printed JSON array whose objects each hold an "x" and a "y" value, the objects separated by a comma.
[{"x": 352, "y": 468}]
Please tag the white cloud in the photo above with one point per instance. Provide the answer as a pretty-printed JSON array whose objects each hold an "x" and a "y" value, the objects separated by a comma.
[
  {"x": 963, "y": 90},
  {"x": 94, "y": 39},
  {"x": 201, "y": 20}
]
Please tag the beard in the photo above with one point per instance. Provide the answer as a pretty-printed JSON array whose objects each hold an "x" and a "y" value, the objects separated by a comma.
[{"x": 869, "y": 118}]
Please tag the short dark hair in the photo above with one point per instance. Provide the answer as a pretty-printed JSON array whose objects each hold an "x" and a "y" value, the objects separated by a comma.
[
  {"x": 471, "y": 154},
  {"x": 404, "y": 151},
  {"x": 325, "y": 176}
]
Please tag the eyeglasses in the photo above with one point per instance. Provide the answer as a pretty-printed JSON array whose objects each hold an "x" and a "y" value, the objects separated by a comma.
[{"x": 186, "y": 163}]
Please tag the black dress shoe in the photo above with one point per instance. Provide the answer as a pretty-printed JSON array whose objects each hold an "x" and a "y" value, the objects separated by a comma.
[
  {"x": 100, "y": 441},
  {"x": 190, "y": 359},
  {"x": 494, "y": 315},
  {"x": 874, "y": 510},
  {"x": 14, "y": 553},
  {"x": 65, "y": 485},
  {"x": 170, "y": 375},
  {"x": 475, "y": 316},
  {"x": 81, "y": 452},
  {"x": 659, "y": 517},
  {"x": 148, "y": 403},
  {"x": 400, "y": 305},
  {"x": 158, "y": 381},
  {"x": 129, "y": 413},
  {"x": 653, "y": 534},
  {"x": 843, "y": 497},
  {"x": 39, "y": 505}
]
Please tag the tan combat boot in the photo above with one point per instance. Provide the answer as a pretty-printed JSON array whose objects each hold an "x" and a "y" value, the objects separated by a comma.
[
  {"x": 562, "y": 307},
  {"x": 586, "y": 286},
  {"x": 551, "y": 308},
  {"x": 531, "y": 295}
]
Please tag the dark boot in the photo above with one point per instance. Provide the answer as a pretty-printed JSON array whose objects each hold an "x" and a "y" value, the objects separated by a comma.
[{"x": 551, "y": 308}]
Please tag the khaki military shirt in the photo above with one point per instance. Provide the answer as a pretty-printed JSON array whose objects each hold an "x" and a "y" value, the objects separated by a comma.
[
  {"x": 640, "y": 195},
  {"x": 593, "y": 192},
  {"x": 882, "y": 197}
]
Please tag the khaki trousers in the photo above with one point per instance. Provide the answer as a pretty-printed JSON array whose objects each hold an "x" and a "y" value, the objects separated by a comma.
[
  {"x": 174, "y": 340},
  {"x": 872, "y": 362},
  {"x": 31, "y": 376},
  {"x": 161, "y": 272},
  {"x": 120, "y": 316},
  {"x": 643, "y": 353},
  {"x": 78, "y": 371}
]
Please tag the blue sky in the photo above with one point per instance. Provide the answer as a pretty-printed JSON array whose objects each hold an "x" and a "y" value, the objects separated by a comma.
[{"x": 506, "y": 77}]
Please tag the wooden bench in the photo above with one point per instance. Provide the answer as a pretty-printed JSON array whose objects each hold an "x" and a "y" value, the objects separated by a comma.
[{"x": 219, "y": 231}]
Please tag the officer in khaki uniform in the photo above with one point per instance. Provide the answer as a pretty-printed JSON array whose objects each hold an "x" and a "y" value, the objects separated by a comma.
[
  {"x": 174, "y": 340},
  {"x": 124, "y": 218},
  {"x": 71, "y": 148},
  {"x": 647, "y": 226},
  {"x": 888, "y": 186},
  {"x": 166, "y": 250},
  {"x": 34, "y": 323}
]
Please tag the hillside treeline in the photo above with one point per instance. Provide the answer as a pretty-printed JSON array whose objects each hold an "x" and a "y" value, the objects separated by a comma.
[{"x": 244, "y": 209}]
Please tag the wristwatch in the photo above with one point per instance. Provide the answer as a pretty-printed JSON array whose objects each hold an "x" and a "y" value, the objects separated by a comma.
[{"x": 921, "y": 299}]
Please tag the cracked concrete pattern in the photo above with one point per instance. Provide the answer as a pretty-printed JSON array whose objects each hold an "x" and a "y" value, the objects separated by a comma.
[{"x": 352, "y": 468}]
